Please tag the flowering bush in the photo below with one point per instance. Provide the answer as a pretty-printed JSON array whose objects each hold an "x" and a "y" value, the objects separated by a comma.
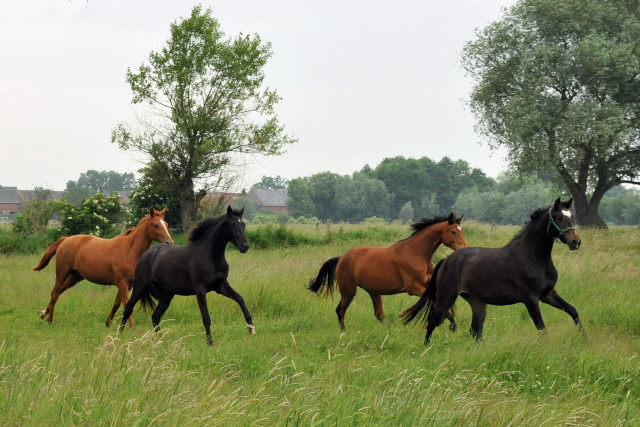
[{"x": 97, "y": 215}]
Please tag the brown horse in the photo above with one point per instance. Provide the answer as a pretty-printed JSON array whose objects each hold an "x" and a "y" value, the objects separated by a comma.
[
  {"x": 103, "y": 261},
  {"x": 405, "y": 266}
]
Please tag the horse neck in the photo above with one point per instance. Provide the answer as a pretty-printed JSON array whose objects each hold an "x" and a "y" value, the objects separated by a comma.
[
  {"x": 218, "y": 240},
  {"x": 536, "y": 236},
  {"x": 138, "y": 238},
  {"x": 427, "y": 241}
]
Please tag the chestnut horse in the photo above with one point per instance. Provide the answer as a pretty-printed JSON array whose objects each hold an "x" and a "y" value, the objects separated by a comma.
[
  {"x": 405, "y": 266},
  {"x": 103, "y": 261}
]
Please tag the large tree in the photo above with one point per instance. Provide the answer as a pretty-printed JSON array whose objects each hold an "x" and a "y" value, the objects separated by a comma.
[
  {"x": 558, "y": 84},
  {"x": 206, "y": 101}
]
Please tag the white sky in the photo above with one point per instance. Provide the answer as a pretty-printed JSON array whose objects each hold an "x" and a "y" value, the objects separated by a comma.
[{"x": 359, "y": 80}]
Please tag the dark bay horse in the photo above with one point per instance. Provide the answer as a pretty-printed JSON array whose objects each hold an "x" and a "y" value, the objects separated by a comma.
[
  {"x": 405, "y": 266},
  {"x": 193, "y": 269},
  {"x": 103, "y": 261},
  {"x": 521, "y": 271}
]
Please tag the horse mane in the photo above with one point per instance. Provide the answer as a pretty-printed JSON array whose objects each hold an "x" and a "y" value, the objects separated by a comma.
[
  {"x": 132, "y": 229},
  {"x": 426, "y": 222},
  {"x": 201, "y": 229},
  {"x": 535, "y": 215}
]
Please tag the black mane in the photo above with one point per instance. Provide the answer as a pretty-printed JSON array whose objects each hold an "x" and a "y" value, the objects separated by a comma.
[
  {"x": 201, "y": 229},
  {"x": 427, "y": 222},
  {"x": 535, "y": 215}
]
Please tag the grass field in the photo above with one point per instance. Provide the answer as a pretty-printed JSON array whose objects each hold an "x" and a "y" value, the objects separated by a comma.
[{"x": 300, "y": 369}]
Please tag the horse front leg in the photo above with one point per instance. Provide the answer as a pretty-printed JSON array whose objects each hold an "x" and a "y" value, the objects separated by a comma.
[
  {"x": 534, "y": 311},
  {"x": 553, "y": 299},
  {"x": 227, "y": 291},
  {"x": 204, "y": 311},
  {"x": 122, "y": 297}
]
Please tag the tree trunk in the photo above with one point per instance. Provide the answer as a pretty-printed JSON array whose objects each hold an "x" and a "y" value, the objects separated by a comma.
[
  {"x": 187, "y": 212},
  {"x": 587, "y": 211}
]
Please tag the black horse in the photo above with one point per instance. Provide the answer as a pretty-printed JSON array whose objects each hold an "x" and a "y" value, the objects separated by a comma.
[
  {"x": 194, "y": 269},
  {"x": 521, "y": 271}
]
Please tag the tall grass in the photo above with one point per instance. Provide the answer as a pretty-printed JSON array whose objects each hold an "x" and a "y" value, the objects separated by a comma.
[{"x": 300, "y": 369}]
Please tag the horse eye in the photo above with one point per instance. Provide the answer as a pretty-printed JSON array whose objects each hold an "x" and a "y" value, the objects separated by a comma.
[{"x": 453, "y": 232}]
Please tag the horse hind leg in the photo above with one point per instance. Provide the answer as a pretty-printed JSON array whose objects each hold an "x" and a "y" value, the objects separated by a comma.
[
  {"x": 378, "y": 309},
  {"x": 345, "y": 301},
  {"x": 479, "y": 314},
  {"x": 120, "y": 300},
  {"x": 60, "y": 286}
]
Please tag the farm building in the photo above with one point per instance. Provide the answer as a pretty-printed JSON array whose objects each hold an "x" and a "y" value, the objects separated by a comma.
[{"x": 270, "y": 199}]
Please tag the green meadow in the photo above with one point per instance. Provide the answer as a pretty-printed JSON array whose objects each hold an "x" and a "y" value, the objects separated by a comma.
[{"x": 301, "y": 369}]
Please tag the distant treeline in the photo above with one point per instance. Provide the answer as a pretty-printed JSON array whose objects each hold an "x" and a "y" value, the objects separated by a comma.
[{"x": 407, "y": 189}]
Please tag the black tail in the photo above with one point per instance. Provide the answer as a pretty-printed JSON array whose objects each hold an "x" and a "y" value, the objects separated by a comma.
[
  {"x": 148, "y": 298},
  {"x": 427, "y": 300},
  {"x": 326, "y": 277}
]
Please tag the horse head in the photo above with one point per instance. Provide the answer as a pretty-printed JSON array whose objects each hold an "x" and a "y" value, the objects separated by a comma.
[
  {"x": 561, "y": 224},
  {"x": 452, "y": 234},
  {"x": 157, "y": 227},
  {"x": 235, "y": 229}
]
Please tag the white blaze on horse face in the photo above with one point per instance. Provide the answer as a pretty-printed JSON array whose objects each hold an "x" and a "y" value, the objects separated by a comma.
[
  {"x": 566, "y": 212},
  {"x": 459, "y": 228},
  {"x": 164, "y": 225}
]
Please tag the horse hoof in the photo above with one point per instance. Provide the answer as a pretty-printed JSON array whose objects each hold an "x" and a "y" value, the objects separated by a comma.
[
  {"x": 251, "y": 329},
  {"x": 42, "y": 313}
]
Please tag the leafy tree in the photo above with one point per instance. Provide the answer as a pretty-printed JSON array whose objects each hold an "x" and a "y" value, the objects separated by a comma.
[
  {"x": 481, "y": 206},
  {"x": 558, "y": 85},
  {"x": 360, "y": 197},
  {"x": 300, "y": 202},
  {"x": 151, "y": 194},
  {"x": 519, "y": 204},
  {"x": 97, "y": 215},
  {"x": 36, "y": 215},
  {"x": 406, "y": 212},
  {"x": 621, "y": 206},
  {"x": 273, "y": 183},
  {"x": 92, "y": 182},
  {"x": 430, "y": 207},
  {"x": 323, "y": 194},
  {"x": 207, "y": 102},
  {"x": 251, "y": 209}
]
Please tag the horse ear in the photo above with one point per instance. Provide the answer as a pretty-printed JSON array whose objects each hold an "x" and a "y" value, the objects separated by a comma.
[
  {"x": 242, "y": 211},
  {"x": 151, "y": 211},
  {"x": 459, "y": 220},
  {"x": 162, "y": 212},
  {"x": 229, "y": 210},
  {"x": 556, "y": 204},
  {"x": 451, "y": 219},
  {"x": 567, "y": 204}
]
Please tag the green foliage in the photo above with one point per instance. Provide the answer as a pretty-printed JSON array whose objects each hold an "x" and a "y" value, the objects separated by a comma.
[
  {"x": 93, "y": 181},
  {"x": 277, "y": 236},
  {"x": 274, "y": 183},
  {"x": 36, "y": 215},
  {"x": 97, "y": 215},
  {"x": 556, "y": 85},
  {"x": 206, "y": 95},
  {"x": 151, "y": 194}
]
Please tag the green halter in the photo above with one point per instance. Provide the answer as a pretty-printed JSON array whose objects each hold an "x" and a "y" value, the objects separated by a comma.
[{"x": 561, "y": 231}]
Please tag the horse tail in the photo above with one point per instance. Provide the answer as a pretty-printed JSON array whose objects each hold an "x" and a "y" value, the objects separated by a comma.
[
  {"x": 427, "y": 301},
  {"x": 326, "y": 277},
  {"x": 51, "y": 251},
  {"x": 148, "y": 298}
]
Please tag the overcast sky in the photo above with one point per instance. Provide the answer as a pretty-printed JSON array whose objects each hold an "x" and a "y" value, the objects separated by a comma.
[{"x": 359, "y": 81}]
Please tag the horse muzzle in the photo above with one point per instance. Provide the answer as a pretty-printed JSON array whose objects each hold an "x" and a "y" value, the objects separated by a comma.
[
  {"x": 572, "y": 240},
  {"x": 243, "y": 247}
]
